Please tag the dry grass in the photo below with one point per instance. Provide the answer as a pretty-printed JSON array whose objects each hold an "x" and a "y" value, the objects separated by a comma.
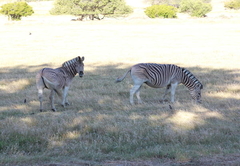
[{"x": 100, "y": 125}]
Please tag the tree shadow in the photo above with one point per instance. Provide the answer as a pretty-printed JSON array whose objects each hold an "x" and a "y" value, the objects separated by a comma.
[
  {"x": 221, "y": 87},
  {"x": 18, "y": 87}
]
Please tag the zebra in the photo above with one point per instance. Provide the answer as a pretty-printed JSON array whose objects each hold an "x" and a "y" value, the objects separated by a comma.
[
  {"x": 58, "y": 80},
  {"x": 162, "y": 75}
]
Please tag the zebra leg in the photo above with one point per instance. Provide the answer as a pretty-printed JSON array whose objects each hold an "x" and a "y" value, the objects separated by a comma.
[
  {"x": 138, "y": 96},
  {"x": 51, "y": 97},
  {"x": 64, "y": 97},
  {"x": 136, "y": 88},
  {"x": 173, "y": 89},
  {"x": 40, "y": 97},
  {"x": 166, "y": 92}
]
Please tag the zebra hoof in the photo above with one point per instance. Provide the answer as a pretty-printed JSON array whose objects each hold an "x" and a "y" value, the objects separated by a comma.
[
  {"x": 40, "y": 110},
  {"x": 163, "y": 100},
  {"x": 54, "y": 110}
]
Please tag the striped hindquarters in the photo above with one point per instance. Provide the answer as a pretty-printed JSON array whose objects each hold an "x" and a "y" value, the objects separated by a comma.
[{"x": 160, "y": 75}]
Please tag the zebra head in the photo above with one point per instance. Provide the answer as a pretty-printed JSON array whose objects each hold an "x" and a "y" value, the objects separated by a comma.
[
  {"x": 196, "y": 92},
  {"x": 80, "y": 66},
  {"x": 75, "y": 66}
]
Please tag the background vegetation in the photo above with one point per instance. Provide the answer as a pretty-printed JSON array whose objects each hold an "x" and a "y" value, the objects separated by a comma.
[
  {"x": 195, "y": 8},
  {"x": 91, "y": 8},
  {"x": 98, "y": 9},
  {"x": 162, "y": 11},
  {"x": 16, "y": 10},
  {"x": 232, "y": 4},
  {"x": 170, "y": 2}
]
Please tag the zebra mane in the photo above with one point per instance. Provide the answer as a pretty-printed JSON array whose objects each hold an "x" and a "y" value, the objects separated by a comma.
[
  {"x": 70, "y": 62},
  {"x": 189, "y": 75}
]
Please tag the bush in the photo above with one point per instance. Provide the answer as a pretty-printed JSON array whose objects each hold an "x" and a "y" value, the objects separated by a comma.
[
  {"x": 16, "y": 10},
  {"x": 195, "y": 8},
  {"x": 164, "y": 11},
  {"x": 232, "y": 4}
]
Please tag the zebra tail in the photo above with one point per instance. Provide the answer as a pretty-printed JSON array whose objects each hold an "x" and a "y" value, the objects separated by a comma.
[
  {"x": 44, "y": 82},
  {"x": 122, "y": 78}
]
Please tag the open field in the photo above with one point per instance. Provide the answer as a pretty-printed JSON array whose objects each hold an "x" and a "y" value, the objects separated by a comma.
[{"x": 100, "y": 127}]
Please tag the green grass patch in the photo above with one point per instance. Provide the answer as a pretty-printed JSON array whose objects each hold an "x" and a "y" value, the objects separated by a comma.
[{"x": 14, "y": 143}]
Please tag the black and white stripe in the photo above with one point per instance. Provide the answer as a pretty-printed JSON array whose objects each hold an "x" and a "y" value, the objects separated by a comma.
[
  {"x": 162, "y": 75},
  {"x": 70, "y": 66},
  {"x": 189, "y": 80}
]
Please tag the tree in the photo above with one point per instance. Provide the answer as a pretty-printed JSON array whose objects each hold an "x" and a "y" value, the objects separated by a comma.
[
  {"x": 16, "y": 10},
  {"x": 91, "y": 8}
]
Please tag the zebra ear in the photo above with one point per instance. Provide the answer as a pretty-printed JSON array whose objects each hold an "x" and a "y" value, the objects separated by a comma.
[
  {"x": 80, "y": 59},
  {"x": 83, "y": 58}
]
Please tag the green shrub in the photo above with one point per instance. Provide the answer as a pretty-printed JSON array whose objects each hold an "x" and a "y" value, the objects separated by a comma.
[
  {"x": 175, "y": 3},
  {"x": 232, "y": 4},
  {"x": 16, "y": 10},
  {"x": 195, "y": 8},
  {"x": 164, "y": 11}
]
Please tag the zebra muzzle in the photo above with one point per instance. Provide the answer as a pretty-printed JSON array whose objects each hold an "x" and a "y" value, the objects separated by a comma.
[{"x": 81, "y": 74}]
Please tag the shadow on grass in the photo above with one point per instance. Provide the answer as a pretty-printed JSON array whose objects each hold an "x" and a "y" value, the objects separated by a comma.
[{"x": 100, "y": 124}]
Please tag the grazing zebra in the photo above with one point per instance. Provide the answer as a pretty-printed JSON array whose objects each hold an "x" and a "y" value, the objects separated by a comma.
[
  {"x": 162, "y": 75},
  {"x": 58, "y": 80}
]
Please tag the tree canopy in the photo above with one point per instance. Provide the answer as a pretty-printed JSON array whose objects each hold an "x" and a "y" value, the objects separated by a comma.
[
  {"x": 16, "y": 10},
  {"x": 91, "y": 8}
]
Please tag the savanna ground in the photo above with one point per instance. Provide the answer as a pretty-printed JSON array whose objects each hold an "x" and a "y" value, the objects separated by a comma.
[{"x": 100, "y": 127}]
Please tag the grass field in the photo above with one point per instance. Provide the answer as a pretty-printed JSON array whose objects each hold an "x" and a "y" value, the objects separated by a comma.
[{"x": 100, "y": 127}]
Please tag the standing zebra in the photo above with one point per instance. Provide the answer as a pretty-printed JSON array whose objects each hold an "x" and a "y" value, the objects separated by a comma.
[
  {"x": 162, "y": 75},
  {"x": 58, "y": 80}
]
